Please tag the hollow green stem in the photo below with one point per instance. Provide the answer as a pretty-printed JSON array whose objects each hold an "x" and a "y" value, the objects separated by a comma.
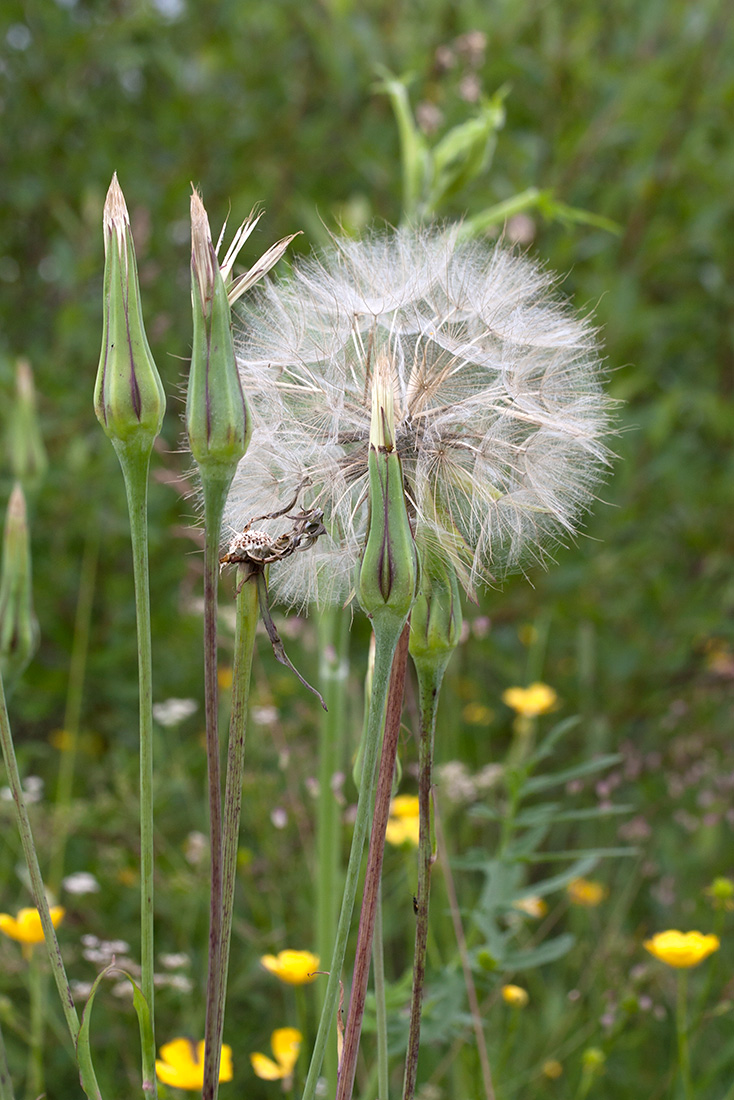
[
  {"x": 135, "y": 463},
  {"x": 378, "y": 967},
  {"x": 6, "y": 1084},
  {"x": 246, "y": 625},
  {"x": 348, "y": 1066},
  {"x": 74, "y": 695},
  {"x": 681, "y": 1027},
  {"x": 387, "y": 632},
  {"x": 333, "y": 634}
]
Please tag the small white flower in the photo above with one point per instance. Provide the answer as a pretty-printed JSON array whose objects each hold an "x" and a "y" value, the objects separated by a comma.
[
  {"x": 499, "y": 409},
  {"x": 81, "y": 882},
  {"x": 174, "y": 711},
  {"x": 279, "y": 817},
  {"x": 175, "y": 961}
]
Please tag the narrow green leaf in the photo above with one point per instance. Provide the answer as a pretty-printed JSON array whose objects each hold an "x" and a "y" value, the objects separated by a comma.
[
  {"x": 83, "y": 1049},
  {"x": 546, "y": 952},
  {"x": 599, "y": 763}
]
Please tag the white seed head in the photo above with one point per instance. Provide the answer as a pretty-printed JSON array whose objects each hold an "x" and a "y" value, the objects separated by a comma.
[{"x": 499, "y": 412}]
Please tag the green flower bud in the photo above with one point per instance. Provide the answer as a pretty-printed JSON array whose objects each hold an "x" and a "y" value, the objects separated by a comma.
[
  {"x": 128, "y": 398},
  {"x": 388, "y": 573},
  {"x": 18, "y": 624},
  {"x": 217, "y": 418},
  {"x": 435, "y": 622},
  {"x": 25, "y": 444}
]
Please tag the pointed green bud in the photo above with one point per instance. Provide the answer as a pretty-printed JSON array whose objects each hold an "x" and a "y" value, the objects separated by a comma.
[
  {"x": 388, "y": 573},
  {"x": 128, "y": 398},
  {"x": 217, "y": 418},
  {"x": 25, "y": 444},
  {"x": 435, "y": 623},
  {"x": 18, "y": 624}
]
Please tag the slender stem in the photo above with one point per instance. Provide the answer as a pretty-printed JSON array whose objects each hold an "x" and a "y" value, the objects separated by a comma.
[
  {"x": 465, "y": 965},
  {"x": 681, "y": 1023},
  {"x": 348, "y": 1066},
  {"x": 246, "y": 625},
  {"x": 214, "y": 498},
  {"x": 135, "y": 472},
  {"x": 6, "y": 1084},
  {"x": 34, "y": 1083},
  {"x": 333, "y": 634},
  {"x": 88, "y": 1081},
  {"x": 378, "y": 966},
  {"x": 387, "y": 633},
  {"x": 74, "y": 695},
  {"x": 430, "y": 675}
]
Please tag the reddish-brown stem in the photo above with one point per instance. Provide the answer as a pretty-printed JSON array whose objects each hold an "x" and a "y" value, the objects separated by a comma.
[{"x": 373, "y": 875}]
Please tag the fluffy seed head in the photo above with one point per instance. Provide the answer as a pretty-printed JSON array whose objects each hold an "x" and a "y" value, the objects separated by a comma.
[{"x": 499, "y": 414}]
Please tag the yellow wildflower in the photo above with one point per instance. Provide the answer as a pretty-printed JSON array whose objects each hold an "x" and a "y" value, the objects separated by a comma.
[
  {"x": 585, "y": 892},
  {"x": 515, "y": 995},
  {"x": 530, "y": 701},
  {"x": 182, "y": 1064},
  {"x": 532, "y": 905},
  {"x": 477, "y": 714},
  {"x": 286, "y": 1044},
  {"x": 292, "y": 967},
  {"x": 681, "y": 949},
  {"x": 552, "y": 1069},
  {"x": 403, "y": 823},
  {"x": 26, "y": 927}
]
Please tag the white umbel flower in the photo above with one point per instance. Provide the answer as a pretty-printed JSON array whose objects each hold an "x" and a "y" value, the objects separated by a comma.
[{"x": 499, "y": 409}]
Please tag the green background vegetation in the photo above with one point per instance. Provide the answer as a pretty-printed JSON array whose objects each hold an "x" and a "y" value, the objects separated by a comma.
[{"x": 622, "y": 110}]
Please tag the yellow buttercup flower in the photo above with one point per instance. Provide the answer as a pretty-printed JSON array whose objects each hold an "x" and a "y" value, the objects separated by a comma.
[
  {"x": 286, "y": 1045},
  {"x": 292, "y": 967},
  {"x": 26, "y": 927},
  {"x": 515, "y": 996},
  {"x": 403, "y": 824},
  {"x": 585, "y": 892},
  {"x": 531, "y": 701},
  {"x": 682, "y": 949},
  {"x": 182, "y": 1064}
]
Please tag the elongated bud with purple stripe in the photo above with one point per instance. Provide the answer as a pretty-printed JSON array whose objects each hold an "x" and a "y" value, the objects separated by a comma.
[
  {"x": 128, "y": 397},
  {"x": 217, "y": 417},
  {"x": 388, "y": 573}
]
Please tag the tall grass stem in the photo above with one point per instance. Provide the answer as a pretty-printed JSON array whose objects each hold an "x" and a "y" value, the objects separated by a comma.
[{"x": 6, "y": 1084}]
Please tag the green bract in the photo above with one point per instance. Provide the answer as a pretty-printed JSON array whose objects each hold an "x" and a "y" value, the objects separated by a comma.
[
  {"x": 217, "y": 418},
  {"x": 435, "y": 623},
  {"x": 128, "y": 396},
  {"x": 18, "y": 624}
]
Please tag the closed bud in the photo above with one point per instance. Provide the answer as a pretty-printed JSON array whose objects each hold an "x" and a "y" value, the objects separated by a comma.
[
  {"x": 128, "y": 398},
  {"x": 18, "y": 624},
  {"x": 25, "y": 444},
  {"x": 388, "y": 573},
  {"x": 217, "y": 418},
  {"x": 435, "y": 622}
]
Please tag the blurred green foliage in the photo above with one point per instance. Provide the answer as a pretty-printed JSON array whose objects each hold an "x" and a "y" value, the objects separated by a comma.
[{"x": 623, "y": 111}]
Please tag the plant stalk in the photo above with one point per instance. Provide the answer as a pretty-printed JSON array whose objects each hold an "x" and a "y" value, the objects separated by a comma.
[
  {"x": 430, "y": 676},
  {"x": 348, "y": 1066},
  {"x": 34, "y": 1083},
  {"x": 333, "y": 634},
  {"x": 215, "y": 495},
  {"x": 378, "y": 966},
  {"x": 135, "y": 472},
  {"x": 6, "y": 1084},
  {"x": 246, "y": 626},
  {"x": 387, "y": 631},
  {"x": 681, "y": 1026}
]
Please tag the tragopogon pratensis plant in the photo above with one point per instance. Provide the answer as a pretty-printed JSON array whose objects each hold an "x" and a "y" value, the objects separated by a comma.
[{"x": 498, "y": 403}]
